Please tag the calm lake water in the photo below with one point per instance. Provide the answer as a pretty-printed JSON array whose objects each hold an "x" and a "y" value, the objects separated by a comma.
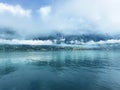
[{"x": 60, "y": 70}]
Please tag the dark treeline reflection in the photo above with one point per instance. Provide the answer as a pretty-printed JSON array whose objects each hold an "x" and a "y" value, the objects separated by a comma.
[{"x": 60, "y": 70}]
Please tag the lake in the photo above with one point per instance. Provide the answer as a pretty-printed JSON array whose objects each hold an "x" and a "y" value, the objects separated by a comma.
[{"x": 60, "y": 70}]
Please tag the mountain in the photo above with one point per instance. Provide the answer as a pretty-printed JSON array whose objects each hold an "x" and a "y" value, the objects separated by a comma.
[
  {"x": 8, "y": 33},
  {"x": 58, "y": 37}
]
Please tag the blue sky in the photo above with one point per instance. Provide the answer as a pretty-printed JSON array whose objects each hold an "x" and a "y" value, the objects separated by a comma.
[
  {"x": 67, "y": 16},
  {"x": 29, "y": 4}
]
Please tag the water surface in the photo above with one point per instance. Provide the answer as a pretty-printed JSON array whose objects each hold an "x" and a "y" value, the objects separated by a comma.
[{"x": 60, "y": 70}]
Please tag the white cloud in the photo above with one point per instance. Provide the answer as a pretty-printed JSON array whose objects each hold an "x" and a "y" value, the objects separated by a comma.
[
  {"x": 44, "y": 11},
  {"x": 68, "y": 16},
  {"x": 102, "y": 15},
  {"x": 16, "y": 10},
  {"x": 26, "y": 42}
]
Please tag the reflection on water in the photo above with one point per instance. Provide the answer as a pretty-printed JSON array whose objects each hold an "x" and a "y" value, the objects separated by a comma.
[
  {"x": 6, "y": 70},
  {"x": 60, "y": 70}
]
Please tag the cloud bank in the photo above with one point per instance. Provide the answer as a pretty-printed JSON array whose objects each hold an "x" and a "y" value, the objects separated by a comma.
[
  {"x": 70, "y": 16},
  {"x": 25, "y": 42}
]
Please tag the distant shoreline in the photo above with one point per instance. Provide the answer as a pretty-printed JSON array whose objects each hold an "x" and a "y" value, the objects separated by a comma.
[{"x": 54, "y": 47}]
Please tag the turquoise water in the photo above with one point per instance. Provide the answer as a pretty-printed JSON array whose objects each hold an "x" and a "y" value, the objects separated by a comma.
[{"x": 60, "y": 70}]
